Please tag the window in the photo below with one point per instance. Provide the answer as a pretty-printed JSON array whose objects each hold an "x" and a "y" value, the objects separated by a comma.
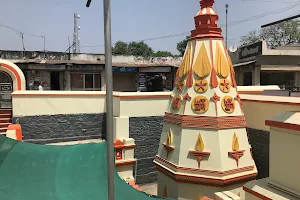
[{"x": 86, "y": 81}]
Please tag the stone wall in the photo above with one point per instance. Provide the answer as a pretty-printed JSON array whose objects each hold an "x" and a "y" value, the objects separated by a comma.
[
  {"x": 46, "y": 129},
  {"x": 260, "y": 142},
  {"x": 146, "y": 132}
]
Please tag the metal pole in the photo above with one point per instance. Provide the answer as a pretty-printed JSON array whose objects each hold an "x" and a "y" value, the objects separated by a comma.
[
  {"x": 109, "y": 99},
  {"x": 226, "y": 6}
]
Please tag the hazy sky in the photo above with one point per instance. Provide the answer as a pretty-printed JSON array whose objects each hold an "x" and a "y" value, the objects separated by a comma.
[{"x": 131, "y": 20}]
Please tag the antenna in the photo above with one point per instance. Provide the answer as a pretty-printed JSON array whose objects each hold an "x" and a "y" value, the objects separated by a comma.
[
  {"x": 76, "y": 47},
  {"x": 232, "y": 49}
]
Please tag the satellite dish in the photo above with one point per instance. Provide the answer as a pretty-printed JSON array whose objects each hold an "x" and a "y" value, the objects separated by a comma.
[{"x": 232, "y": 49}]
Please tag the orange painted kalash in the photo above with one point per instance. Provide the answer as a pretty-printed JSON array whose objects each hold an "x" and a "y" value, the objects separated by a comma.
[{"x": 204, "y": 146}]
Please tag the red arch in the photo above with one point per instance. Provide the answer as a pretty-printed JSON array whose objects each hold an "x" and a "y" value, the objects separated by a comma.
[{"x": 16, "y": 74}]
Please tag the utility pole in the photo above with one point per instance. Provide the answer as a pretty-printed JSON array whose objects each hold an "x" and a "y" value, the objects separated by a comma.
[
  {"x": 109, "y": 99},
  {"x": 76, "y": 48},
  {"x": 226, "y": 6}
]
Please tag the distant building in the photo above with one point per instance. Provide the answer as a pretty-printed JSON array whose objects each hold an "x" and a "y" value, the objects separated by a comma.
[
  {"x": 255, "y": 64},
  {"x": 64, "y": 71}
]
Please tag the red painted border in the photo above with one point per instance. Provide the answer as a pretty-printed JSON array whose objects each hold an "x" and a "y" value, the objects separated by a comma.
[
  {"x": 272, "y": 102},
  {"x": 125, "y": 163},
  {"x": 295, "y": 127},
  {"x": 58, "y": 95},
  {"x": 206, "y": 181},
  {"x": 203, "y": 170},
  {"x": 258, "y": 195},
  {"x": 16, "y": 74}
]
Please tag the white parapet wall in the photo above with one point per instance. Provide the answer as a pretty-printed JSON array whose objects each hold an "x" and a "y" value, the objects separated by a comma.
[
  {"x": 31, "y": 103},
  {"x": 284, "y": 179}
]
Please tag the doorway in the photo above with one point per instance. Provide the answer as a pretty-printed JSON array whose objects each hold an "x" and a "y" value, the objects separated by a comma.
[
  {"x": 6, "y": 88},
  {"x": 55, "y": 83}
]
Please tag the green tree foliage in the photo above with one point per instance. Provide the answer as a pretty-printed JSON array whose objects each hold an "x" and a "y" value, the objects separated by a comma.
[
  {"x": 139, "y": 49},
  {"x": 181, "y": 46},
  {"x": 162, "y": 54},
  {"x": 281, "y": 34},
  {"x": 120, "y": 48}
]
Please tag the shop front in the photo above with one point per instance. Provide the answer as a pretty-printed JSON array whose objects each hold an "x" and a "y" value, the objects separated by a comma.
[
  {"x": 49, "y": 76},
  {"x": 125, "y": 79},
  {"x": 84, "y": 77},
  {"x": 153, "y": 79}
]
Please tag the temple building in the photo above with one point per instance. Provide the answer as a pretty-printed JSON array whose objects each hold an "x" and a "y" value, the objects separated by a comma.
[{"x": 204, "y": 146}]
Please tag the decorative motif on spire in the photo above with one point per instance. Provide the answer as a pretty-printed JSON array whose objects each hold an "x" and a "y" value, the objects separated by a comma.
[
  {"x": 177, "y": 76},
  {"x": 221, "y": 63},
  {"x": 228, "y": 104},
  {"x": 186, "y": 62},
  {"x": 202, "y": 66},
  {"x": 215, "y": 98},
  {"x": 169, "y": 139},
  {"x": 189, "y": 81},
  {"x": 199, "y": 197},
  {"x": 180, "y": 85},
  {"x": 176, "y": 102},
  {"x": 235, "y": 143},
  {"x": 165, "y": 191},
  {"x": 199, "y": 144},
  {"x": 224, "y": 85},
  {"x": 168, "y": 145},
  {"x": 201, "y": 86},
  {"x": 236, "y": 153},
  {"x": 213, "y": 76},
  {"x": 198, "y": 153},
  {"x": 200, "y": 104}
]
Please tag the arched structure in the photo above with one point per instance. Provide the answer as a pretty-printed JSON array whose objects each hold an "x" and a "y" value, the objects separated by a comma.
[{"x": 17, "y": 76}]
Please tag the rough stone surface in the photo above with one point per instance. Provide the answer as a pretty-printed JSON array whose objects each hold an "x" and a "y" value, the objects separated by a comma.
[
  {"x": 146, "y": 132},
  {"x": 260, "y": 142},
  {"x": 46, "y": 129}
]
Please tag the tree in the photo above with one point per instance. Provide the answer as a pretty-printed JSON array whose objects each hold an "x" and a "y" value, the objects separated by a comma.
[
  {"x": 181, "y": 46},
  {"x": 139, "y": 49},
  {"x": 281, "y": 34},
  {"x": 162, "y": 54},
  {"x": 251, "y": 37},
  {"x": 121, "y": 48}
]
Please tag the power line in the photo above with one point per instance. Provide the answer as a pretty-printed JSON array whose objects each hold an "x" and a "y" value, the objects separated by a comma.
[
  {"x": 229, "y": 25},
  {"x": 21, "y": 33}
]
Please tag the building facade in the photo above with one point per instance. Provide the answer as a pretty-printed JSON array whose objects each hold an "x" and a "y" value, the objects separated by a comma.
[
  {"x": 256, "y": 64},
  {"x": 85, "y": 72}
]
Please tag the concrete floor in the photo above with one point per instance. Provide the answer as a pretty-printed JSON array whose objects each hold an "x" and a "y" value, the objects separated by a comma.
[{"x": 150, "y": 188}]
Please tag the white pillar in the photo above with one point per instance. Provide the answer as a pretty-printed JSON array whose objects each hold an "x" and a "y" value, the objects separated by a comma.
[
  {"x": 256, "y": 75},
  {"x": 103, "y": 84},
  {"x": 297, "y": 79},
  {"x": 68, "y": 80}
]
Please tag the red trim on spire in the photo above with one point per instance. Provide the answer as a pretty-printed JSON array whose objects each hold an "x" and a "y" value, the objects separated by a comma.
[
  {"x": 206, "y": 21},
  {"x": 189, "y": 81},
  {"x": 213, "y": 76}
]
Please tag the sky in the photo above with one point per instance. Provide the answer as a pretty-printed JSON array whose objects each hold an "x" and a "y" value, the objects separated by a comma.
[{"x": 132, "y": 20}]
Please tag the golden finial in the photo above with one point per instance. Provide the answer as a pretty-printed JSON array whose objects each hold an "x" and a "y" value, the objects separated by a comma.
[
  {"x": 235, "y": 143},
  {"x": 199, "y": 144}
]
